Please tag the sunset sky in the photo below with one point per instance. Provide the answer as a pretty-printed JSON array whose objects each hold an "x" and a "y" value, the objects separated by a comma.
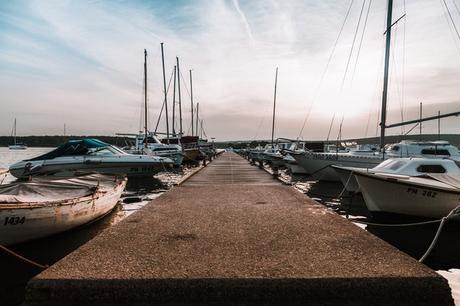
[{"x": 80, "y": 63}]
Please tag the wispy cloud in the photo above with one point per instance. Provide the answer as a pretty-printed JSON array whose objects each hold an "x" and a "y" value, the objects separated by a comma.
[{"x": 81, "y": 63}]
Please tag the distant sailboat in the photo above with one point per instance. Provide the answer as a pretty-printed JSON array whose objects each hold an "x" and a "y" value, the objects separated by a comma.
[{"x": 16, "y": 145}]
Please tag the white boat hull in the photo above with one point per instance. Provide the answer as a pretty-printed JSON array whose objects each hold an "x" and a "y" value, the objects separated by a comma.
[
  {"x": 137, "y": 166},
  {"x": 318, "y": 165},
  {"x": 17, "y": 147},
  {"x": 389, "y": 195},
  {"x": 28, "y": 221}
]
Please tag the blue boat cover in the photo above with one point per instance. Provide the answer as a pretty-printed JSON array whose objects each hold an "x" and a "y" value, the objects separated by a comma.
[{"x": 73, "y": 147}]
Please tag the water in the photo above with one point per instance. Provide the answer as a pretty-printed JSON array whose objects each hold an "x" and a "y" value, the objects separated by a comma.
[{"x": 15, "y": 274}]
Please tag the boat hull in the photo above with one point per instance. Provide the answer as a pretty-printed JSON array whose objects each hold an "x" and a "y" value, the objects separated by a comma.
[
  {"x": 318, "y": 165},
  {"x": 138, "y": 166},
  {"x": 387, "y": 195},
  {"x": 192, "y": 155},
  {"x": 17, "y": 147},
  {"x": 28, "y": 221}
]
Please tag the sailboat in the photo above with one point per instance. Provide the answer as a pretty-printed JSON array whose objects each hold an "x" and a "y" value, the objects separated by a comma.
[
  {"x": 16, "y": 145},
  {"x": 318, "y": 165},
  {"x": 146, "y": 142}
]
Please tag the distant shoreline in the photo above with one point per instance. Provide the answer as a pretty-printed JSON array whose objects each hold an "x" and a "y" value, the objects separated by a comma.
[{"x": 55, "y": 141}]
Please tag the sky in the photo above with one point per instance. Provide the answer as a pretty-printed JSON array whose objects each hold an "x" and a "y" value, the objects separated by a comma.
[{"x": 80, "y": 63}]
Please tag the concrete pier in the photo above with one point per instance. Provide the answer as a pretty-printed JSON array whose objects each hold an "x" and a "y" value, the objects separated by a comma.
[{"x": 232, "y": 234}]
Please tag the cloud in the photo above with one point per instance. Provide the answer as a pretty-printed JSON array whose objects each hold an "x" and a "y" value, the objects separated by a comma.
[{"x": 82, "y": 63}]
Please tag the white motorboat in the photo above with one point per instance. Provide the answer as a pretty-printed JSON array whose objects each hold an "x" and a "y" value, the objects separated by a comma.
[
  {"x": 412, "y": 166},
  {"x": 16, "y": 145},
  {"x": 88, "y": 156},
  {"x": 319, "y": 164},
  {"x": 431, "y": 196},
  {"x": 155, "y": 147},
  {"x": 45, "y": 206}
]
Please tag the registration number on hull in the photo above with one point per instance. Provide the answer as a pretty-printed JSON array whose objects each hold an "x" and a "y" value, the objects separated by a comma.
[
  {"x": 424, "y": 193},
  {"x": 14, "y": 220}
]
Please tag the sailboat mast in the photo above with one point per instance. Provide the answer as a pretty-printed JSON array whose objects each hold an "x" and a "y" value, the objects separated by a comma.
[
  {"x": 180, "y": 101},
  {"x": 274, "y": 107},
  {"x": 14, "y": 131},
  {"x": 174, "y": 105},
  {"x": 385, "y": 76},
  {"x": 197, "y": 118},
  {"x": 191, "y": 98},
  {"x": 166, "y": 94},
  {"x": 145, "y": 99}
]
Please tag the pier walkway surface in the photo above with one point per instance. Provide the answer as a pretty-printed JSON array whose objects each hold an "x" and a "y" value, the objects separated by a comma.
[{"x": 231, "y": 234}]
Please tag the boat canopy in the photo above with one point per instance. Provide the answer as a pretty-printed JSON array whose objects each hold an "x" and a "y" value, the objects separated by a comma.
[
  {"x": 449, "y": 179},
  {"x": 47, "y": 190},
  {"x": 73, "y": 147}
]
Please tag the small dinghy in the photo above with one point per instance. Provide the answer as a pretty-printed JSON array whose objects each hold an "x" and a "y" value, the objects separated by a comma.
[{"x": 45, "y": 206}]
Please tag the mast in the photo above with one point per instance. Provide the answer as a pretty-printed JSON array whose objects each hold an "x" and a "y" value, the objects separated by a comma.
[
  {"x": 174, "y": 105},
  {"x": 420, "y": 122},
  {"x": 385, "y": 76},
  {"x": 180, "y": 102},
  {"x": 145, "y": 99},
  {"x": 274, "y": 106},
  {"x": 191, "y": 98},
  {"x": 166, "y": 94},
  {"x": 14, "y": 131},
  {"x": 197, "y": 118}
]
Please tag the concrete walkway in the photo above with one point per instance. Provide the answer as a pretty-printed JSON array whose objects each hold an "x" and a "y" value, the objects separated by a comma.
[{"x": 230, "y": 235}]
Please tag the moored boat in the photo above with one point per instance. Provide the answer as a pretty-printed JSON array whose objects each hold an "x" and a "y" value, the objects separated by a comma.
[
  {"x": 432, "y": 196},
  {"x": 413, "y": 166},
  {"x": 46, "y": 206},
  {"x": 87, "y": 156}
]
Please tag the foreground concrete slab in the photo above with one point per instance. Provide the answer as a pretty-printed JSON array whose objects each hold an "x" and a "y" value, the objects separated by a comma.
[{"x": 234, "y": 242}]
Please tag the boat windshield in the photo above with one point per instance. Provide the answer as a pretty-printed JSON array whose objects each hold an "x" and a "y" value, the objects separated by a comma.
[
  {"x": 391, "y": 164},
  {"x": 108, "y": 150},
  {"x": 78, "y": 148}
]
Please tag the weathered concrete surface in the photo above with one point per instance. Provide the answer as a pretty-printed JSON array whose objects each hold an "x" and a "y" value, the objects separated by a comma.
[{"x": 235, "y": 242}]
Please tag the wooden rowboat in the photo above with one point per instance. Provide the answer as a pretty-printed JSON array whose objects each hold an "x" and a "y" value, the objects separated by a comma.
[{"x": 44, "y": 206}]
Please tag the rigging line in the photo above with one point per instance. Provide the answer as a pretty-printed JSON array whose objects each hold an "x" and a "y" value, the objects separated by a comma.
[
  {"x": 376, "y": 93},
  {"x": 450, "y": 29},
  {"x": 456, "y": 7},
  {"x": 348, "y": 64},
  {"x": 320, "y": 83},
  {"x": 330, "y": 127},
  {"x": 361, "y": 40},
  {"x": 403, "y": 81},
  {"x": 394, "y": 74},
  {"x": 164, "y": 102},
  {"x": 451, "y": 19},
  {"x": 352, "y": 46},
  {"x": 185, "y": 83}
]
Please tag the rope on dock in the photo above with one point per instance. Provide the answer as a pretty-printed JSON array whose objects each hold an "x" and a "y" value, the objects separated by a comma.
[{"x": 22, "y": 258}]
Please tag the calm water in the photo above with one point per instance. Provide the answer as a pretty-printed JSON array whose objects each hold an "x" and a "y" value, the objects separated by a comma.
[{"x": 49, "y": 250}]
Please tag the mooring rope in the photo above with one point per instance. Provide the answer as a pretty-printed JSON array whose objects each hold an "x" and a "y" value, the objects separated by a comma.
[
  {"x": 22, "y": 258},
  {"x": 452, "y": 214}
]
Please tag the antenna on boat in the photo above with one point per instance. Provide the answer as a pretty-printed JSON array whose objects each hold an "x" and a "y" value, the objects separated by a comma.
[
  {"x": 180, "y": 102},
  {"x": 274, "y": 106},
  {"x": 166, "y": 94},
  {"x": 145, "y": 99},
  {"x": 385, "y": 76},
  {"x": 191, "y": 97}
]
